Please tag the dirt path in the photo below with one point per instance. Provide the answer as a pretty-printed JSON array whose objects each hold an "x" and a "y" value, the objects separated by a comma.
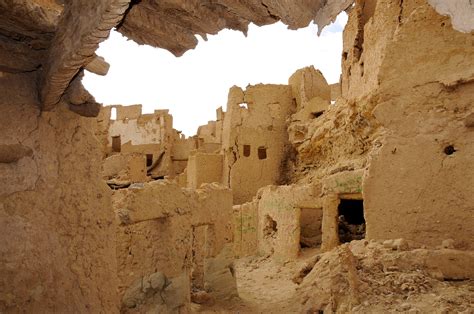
[{"x": 264, "y": 286}]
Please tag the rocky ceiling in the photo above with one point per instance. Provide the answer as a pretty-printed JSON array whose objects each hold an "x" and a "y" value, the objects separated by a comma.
[
  {"x": 174, "y": 24},
  {"x": 26, "y": 30},
  {"x": 58, "y": 38}
]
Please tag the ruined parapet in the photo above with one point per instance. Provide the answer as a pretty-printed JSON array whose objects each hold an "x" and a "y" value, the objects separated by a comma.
[
  {"x": 311, "y": 92},
  {"x": 328, "y": 133},
  {"x": 209, "y": 136},
  {"x": 312, "y": 96}
]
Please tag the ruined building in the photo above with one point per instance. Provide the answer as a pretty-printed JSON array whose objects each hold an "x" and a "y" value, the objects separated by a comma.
[{"x": 305, "y": 197}]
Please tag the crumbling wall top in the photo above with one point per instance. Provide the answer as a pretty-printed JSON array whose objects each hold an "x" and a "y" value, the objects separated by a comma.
[{"x": 128, "y": 112}]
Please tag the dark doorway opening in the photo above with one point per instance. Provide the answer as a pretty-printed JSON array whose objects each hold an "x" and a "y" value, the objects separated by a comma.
[
  {"x": 351, "y": 221},
  {"x": 116, "y": 144}
]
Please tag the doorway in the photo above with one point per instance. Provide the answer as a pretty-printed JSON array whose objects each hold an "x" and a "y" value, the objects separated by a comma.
[{"x": 351, "y": 221}]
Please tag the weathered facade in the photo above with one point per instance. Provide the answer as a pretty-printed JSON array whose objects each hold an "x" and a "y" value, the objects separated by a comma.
[
  {"x": 178, "y": 235},
  {"x": 359, "y": 194},
  {"x": 377, "y": 147},
  {"x": 125, "y": 131},
  {"x": 54, "y": 208}
]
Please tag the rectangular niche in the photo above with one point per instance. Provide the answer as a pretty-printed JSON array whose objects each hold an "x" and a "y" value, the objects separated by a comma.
[
  {"x": 310, "y": 227},
  {"x": 116, "y": 144},
  {"x": 149, "y": 160}
]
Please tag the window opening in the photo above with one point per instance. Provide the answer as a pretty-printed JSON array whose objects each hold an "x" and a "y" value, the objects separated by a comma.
[
  {"x": 246, "y": 150},
  {"x": 113, "y": 114}
]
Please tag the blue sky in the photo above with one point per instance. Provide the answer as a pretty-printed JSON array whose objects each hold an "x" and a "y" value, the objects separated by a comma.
[{"x": 193, "y": 86}]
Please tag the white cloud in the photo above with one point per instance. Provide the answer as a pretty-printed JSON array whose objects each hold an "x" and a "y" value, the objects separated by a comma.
[{"x": 196, "y": 84}]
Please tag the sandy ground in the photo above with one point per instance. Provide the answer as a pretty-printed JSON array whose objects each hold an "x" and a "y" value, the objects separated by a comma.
[{"x": 265, "y": 286}]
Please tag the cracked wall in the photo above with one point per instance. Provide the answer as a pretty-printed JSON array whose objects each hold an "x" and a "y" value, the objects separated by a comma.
[
  {"x": 402, "y": 120},
  {"x": 255, "y": 138},
  {"x": 422, "y": 103}
]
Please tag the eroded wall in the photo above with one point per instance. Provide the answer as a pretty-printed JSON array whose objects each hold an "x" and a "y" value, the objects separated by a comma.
[
  {"x": 279, "y": 219},
  {"x": 54, "y": 208},
  {"x": 279, "y": 222},
  {"x": 255, "y": 139},
  {"x": 165, "y": 228},
  {"x": 209, "y": 136},
  {"x": 402, "y": 120},
  {"x": 125, "y": 130},
  {"x": 422, "y": 171},
  {"x": 140, "y": 129}
]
